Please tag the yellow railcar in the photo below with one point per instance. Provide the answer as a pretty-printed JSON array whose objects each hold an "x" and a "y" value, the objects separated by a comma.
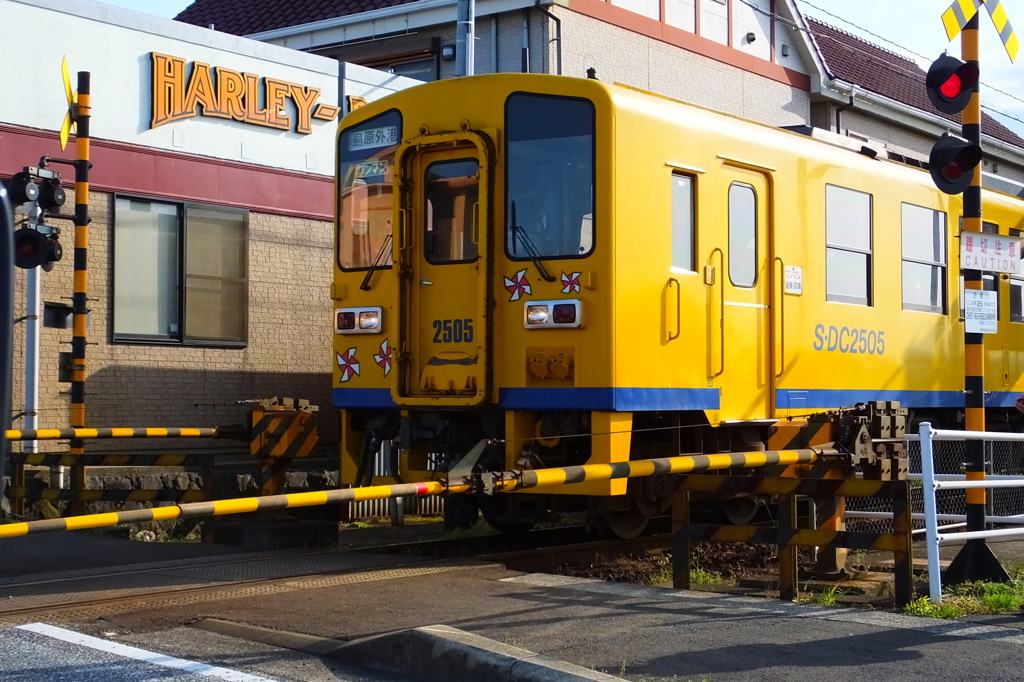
[{"x": 588, "y": 273}]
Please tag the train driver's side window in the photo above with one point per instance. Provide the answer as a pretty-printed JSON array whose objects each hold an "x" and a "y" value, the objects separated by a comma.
[{"x": 847, "y": 246}]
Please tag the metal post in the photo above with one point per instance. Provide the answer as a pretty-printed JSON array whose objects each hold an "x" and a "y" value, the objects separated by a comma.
[
  {"x": 6, "y": 330},
  {"x": 975, "y": 561},
  {"x": 32, "y": 295},
  {"x": 78, "y": 299},
  {"x": 466, "y": 37},
  {"x": 681, "y": 545},
  {"x": 930, "y": 519}
]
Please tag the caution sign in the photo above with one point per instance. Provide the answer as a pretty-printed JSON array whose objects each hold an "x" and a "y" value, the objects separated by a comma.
[
  {"x": 989, "y": 252},
  {"x": 981, "y": 312}
]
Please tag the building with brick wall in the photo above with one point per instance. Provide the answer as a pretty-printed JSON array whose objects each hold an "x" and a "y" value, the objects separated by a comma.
[{"x": 209, "y": 259}]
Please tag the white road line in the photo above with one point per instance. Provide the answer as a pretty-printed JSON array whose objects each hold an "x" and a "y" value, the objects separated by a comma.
[{"x": 141, "y": 654}]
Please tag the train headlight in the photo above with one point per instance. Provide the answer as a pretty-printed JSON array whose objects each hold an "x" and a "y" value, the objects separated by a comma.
[
  {"x": 537, "y": 315},
  {"x": 357, "y": 321},
  {"x": 565, "y": 313},
  {"x": 369, "y": 319}
]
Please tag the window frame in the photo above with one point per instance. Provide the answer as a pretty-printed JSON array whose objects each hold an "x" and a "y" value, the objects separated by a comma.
[
  {"x": 427, "y": 255},
  {"x": 593, "y": 178},
  {"x": 944, "y": 266},
  {"x": 396, "y": 196},
  {"x": 869, "y": 300},
  {"x": 181, "y": 339},
  {"x": 692, "y": 266},
  {"x": 728, "y": 234}
]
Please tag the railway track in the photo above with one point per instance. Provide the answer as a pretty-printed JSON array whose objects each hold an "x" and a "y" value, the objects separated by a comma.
[{"x": 183, "y": 583}]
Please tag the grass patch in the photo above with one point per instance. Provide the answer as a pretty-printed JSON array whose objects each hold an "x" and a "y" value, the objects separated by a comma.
[
  {"x": 973, "y": 597},
  {"x": 827, "y": 597},
  {"x": 698, "y": 576}
]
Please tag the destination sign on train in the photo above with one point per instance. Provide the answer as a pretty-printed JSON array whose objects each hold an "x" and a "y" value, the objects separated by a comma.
[{"x": 989, "y": 252}]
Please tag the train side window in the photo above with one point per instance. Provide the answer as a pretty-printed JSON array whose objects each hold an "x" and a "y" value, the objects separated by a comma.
[
  {"x": 924, "y": 259},
  {"x": 682, "y": 223},
  {"x": 847, "y": 245},
  {"x": 742, "y": 235},
  {"x": 1017, "y": 289}
]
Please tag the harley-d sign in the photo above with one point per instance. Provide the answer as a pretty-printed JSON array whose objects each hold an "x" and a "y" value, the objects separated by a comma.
[{"x": 226, "y": 93}]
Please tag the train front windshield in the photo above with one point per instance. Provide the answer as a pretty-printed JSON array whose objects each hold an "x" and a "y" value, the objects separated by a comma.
[
  {"x": 549, "y": 208},
  {"x": 366, "y": 157}
]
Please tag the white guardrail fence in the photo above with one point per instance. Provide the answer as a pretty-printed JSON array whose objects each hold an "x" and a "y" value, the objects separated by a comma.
[{"x": 933, "y": 483}]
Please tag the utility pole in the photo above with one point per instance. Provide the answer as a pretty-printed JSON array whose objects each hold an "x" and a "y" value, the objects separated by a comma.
[{"x": 466, "y": 37}]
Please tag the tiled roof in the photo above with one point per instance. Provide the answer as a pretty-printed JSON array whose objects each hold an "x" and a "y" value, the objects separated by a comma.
[
  {"x": 244, "y": 17},
  {"x": 848, "y": 58}
]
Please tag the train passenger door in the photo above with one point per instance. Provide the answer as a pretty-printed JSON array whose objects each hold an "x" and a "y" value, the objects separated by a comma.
[
  {"x": 444, "y": 341},
  {"x": 740, "y": 297}
]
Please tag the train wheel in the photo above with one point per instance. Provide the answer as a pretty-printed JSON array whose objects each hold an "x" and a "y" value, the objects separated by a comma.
[
  {"x": 501, "y": 514},
  {"x": 624, "y": 524},
  {"x": 739, "y": 511}
]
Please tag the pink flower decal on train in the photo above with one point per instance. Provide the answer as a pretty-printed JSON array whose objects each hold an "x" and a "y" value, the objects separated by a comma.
[
  {"x": 384, "y": 357},
  {"x": 518, "y": 285},
  {"x": 348, "y": 364},
  {"x": 571, "y": 283}
]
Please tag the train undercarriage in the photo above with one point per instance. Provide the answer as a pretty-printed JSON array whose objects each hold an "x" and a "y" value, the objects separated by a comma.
[{"x": 394, "y": 445}]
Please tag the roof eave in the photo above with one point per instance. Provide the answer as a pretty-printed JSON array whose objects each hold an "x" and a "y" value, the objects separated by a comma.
[
  {"x": 820, "y": 78},
  {"x": 380, "y": 22},
  {"x": 921, "y": 121}
]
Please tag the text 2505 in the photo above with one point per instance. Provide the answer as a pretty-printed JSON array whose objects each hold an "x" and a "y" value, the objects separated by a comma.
[{"x": 453, "y": 331}]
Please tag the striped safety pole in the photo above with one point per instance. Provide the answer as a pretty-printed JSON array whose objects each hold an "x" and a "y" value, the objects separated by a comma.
[
  {"x": 78, "y": 299},
  {"x": 975, "y": 561},
  {"x": 81, "y": 433},
  {"x": 504, "y": 481}
]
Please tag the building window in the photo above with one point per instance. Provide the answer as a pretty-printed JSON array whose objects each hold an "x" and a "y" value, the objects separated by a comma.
[
  {"x": 1017, "y": 287},
  {"x": 682, "y": 223},
  {"x": 180, "y": 273},
  {"x": 924, "y": 259},
  {"x": 848, "y": 246},
  {"x": 681, "y": 14},
  {"x": 742, "y": 235}
]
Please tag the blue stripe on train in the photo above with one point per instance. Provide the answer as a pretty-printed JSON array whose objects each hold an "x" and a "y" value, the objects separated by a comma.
[
  {"x": 817, "y": 398},
  {"x": 606, "y": 399},
  {"x": 653, "y": 399}
]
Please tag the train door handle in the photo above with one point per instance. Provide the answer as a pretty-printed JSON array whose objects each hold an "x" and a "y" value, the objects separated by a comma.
[
  {"x": 679, "y": 308},
  {"x": 424, "y": 283},
  {"x": 721, "y": 307},
  {"x": 782, "y": 317}
]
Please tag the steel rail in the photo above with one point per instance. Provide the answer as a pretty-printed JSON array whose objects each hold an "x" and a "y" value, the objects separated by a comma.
[{"x": 504, "y": 481}]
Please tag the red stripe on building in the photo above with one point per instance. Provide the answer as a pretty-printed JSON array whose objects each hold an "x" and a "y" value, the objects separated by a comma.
[{"x": 119, "y": 167}]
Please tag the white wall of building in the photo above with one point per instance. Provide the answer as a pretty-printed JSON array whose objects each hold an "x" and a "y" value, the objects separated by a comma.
[{"x": 114, "y": 44}]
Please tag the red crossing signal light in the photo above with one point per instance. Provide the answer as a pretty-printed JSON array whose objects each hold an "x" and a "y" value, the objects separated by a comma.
[
  {"x": 950, "y": 83},
  {"x": 952, "y": 163},
  {"x": 32, "y": 248}
]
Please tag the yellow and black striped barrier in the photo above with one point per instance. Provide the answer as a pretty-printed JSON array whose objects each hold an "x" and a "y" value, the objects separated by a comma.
[
  {"x": 83, "y": 433},
  {"x": 225, "y": 507},
  {"x": 503, "y": 482},
  {"x": 686, "y": 464},
  {"x": 827, "y": 536}
]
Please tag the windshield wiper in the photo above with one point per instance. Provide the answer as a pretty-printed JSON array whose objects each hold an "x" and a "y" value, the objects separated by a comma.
[
  {"x": 528, "y": 246},
  {"x": 377, "y": 264}
]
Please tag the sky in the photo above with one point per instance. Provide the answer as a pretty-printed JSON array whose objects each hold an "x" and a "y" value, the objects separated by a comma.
[{"x": 914, "y": 28}]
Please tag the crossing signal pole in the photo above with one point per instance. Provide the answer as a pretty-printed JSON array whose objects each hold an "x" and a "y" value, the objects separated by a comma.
[{"x": 954, "y": 86}]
